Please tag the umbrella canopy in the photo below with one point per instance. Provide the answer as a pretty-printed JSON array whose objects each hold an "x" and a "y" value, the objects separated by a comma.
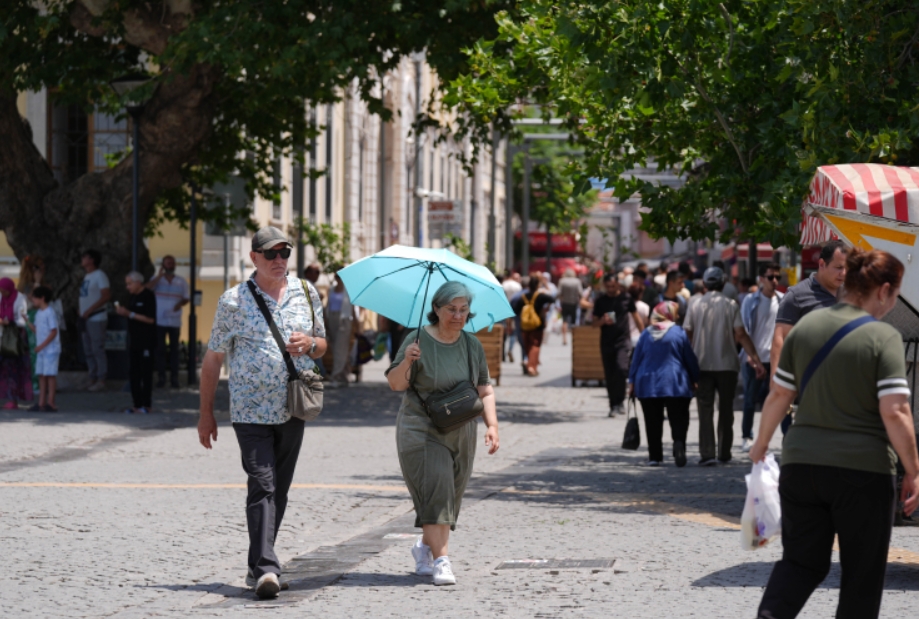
[{"x": 399, "y": 283}]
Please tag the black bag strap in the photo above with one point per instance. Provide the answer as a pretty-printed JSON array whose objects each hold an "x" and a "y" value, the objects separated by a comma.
[
  {"x": 291, "y": 368},
  {"x": 828, "y": 347},
  {"x": 411, "y": 380}
]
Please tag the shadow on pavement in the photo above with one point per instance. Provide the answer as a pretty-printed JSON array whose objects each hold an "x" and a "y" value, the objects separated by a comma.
[
  {"x": 756, "y": 574},
  {"x": 363, "y": 579}
]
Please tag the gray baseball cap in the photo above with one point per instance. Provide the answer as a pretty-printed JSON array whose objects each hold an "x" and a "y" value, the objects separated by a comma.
[
  {"x": 713, "y": 275},
  {"x": 268, "y": 237}
]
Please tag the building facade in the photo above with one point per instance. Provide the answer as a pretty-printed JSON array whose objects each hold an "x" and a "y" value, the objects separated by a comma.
[{"x": 373, "y": 179}]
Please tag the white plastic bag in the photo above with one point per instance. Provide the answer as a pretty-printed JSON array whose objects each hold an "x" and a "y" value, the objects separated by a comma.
[{"x": 761, "y": 521}]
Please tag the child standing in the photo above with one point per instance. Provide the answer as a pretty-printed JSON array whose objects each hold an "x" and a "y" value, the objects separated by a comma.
[{"x": 47, "y": 349}]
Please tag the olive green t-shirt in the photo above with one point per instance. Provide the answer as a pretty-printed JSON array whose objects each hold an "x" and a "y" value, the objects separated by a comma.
[
  {"x": 443, "y": 366},
  {"x": 838, "y": 422}
]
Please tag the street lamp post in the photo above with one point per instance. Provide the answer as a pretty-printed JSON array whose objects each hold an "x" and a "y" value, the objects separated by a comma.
[{"x": 126, "y": 86}]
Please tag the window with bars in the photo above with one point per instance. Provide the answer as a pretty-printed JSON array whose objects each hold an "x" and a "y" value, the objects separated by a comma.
[{"x": 79, "y": 143}]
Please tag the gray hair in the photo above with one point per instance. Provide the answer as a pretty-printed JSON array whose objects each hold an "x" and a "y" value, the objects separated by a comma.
[
  {"x": 446, "y": 293},
  {"x": 135, "y": 276}
]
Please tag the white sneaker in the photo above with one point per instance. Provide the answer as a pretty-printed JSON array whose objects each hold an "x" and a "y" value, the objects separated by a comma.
[
  {"x": 745, "y": 446},
  {"x": 99, "y": 385},
  {"x": 443, "y": 572},
  {"x": 268, "y": 586},
  {"x": 424, "y": 560}
]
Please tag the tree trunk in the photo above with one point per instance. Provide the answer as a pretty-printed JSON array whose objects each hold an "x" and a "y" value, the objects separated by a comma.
[{"x": 58, "y": 223}]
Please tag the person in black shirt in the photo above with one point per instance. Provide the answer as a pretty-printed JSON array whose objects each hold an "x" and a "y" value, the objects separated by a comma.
[
  {"x": 532, "y": 339},
  {"x": 611, "y": 314},
  {"x": 141, "y": 315}
]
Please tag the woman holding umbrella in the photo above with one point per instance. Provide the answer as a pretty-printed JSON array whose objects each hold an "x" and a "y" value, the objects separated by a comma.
[{"x": 436, "y": 465}]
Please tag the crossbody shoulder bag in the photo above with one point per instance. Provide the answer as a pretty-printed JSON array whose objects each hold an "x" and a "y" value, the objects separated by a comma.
[
  {"x": 304, "y": 389},
  {"x": 448, "y": 410},
  {"x": 828, "y": 347}
]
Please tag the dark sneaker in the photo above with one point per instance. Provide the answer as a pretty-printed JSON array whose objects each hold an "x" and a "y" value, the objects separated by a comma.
[
  {"x": 251, "y": 582},
  {"x": 268, "y": 586},
  {"x": 679, "y": 453}
]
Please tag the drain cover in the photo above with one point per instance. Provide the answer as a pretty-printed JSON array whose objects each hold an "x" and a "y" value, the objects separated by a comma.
[{"x": 554, "y": 564}]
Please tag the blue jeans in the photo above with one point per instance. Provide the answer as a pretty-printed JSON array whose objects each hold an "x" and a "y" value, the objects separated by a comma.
[{"x": 754, "y": 390}]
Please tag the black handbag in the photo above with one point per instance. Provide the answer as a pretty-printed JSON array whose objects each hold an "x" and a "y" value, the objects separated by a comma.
[
  {"x": 304, "y": 389},
  {"x": 449, "y": 410},
  {"x": 10, "y": 344},
  {"x": 632, "y": 437}
]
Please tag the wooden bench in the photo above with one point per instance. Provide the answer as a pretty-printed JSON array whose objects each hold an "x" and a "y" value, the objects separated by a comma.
[
  {"x": 586, "y": 361},
  {"x": 493, "y": 342}
]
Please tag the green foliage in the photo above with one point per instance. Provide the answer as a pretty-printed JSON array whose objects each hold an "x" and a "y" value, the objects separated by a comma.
[
  {"x": 332, "y": 244},
  {"x": 458, "y": 246},
  {"x": 274, "y": 58},
  {"x": 743, "y": 97},
  {"x": 555, "y": 201}
]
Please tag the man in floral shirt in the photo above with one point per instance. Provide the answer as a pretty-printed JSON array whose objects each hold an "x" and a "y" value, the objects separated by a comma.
[{"x": 269, "y": 437}]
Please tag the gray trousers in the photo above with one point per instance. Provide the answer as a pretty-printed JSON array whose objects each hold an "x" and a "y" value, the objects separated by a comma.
[
  {"x": 339, "y": 333},
  {"x": 724, "y": 384},
  {"x": 94, "y": 349},
  {"x": 269, "y": 456}
]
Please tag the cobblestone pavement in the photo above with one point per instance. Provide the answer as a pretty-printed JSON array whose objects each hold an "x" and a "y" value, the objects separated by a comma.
[{"x": 111, "y": 515}]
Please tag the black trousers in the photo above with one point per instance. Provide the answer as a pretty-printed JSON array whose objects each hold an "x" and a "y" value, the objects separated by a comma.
[
  {"x": 677, "y": 415},
  {"x": 819, "y": 502},
  {"x": 724, "y": 384},
  {"x": 140, "y": 374},
  {"x": 269, "y": 456},
  {"x": 173, "y": 353},
  {"x": 615, "y": 370}
]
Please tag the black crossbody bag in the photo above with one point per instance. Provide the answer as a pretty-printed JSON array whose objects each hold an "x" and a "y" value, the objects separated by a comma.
[
  {"x": 304, "y": 389},
  {"x": 452, "y": 409}
]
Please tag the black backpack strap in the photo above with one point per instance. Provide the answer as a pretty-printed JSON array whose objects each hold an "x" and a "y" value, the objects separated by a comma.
[{"x": 291, "y": 369}]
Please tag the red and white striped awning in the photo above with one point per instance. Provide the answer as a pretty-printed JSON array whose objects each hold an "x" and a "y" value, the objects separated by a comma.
[{"x": 869, "y": 188}]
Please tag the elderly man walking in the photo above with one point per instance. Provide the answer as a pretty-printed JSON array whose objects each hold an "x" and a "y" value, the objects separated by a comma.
[
  {"x": 714, "y": 325},
  {"x": 269, "y": 437}
]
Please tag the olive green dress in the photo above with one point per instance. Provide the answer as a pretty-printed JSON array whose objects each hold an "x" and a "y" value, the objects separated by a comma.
[{"x": 436, "y": 466}]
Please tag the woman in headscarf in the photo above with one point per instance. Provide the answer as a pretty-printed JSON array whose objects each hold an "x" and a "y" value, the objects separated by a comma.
[
  {"x": 664, "y": 374},
  {"x": 15, "y": 369}
]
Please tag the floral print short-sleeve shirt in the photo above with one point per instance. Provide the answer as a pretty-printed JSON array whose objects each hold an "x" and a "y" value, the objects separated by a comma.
[{"x": 258, "y": 374}]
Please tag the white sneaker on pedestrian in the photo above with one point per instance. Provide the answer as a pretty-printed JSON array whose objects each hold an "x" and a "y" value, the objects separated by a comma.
[
  {"x": 745, "y": 446},
  {"x": 99, "y": 385},
  {"x": 268, "y": 586},
  {"x": 424, "y": 560},
  {"x": 251, "y": 582},
  {"x": 653, "y": 463},
  {"x": 615, "y": 410},
  {"x": 443, "y": 572}
]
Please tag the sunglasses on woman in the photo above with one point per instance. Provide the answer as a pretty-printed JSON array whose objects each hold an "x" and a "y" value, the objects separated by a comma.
[{"x": 271, "y": 254}]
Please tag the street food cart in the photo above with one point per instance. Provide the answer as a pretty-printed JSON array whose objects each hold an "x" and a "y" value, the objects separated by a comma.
[{"x": 873, "y": 206}]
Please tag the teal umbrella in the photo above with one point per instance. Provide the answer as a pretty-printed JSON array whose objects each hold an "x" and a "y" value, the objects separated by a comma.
[{"x": 399, "y": 282}]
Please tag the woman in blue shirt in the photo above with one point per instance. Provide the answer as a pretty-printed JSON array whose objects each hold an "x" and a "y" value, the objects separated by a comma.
[{"x": 664, "y": 374}]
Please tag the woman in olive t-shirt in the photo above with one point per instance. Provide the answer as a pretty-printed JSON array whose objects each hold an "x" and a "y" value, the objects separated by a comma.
[
  {"x": 437, "y": 465},
  {"x": 838, "y": 475}
]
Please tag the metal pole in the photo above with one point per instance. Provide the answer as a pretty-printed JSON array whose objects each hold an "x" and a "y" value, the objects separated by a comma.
[
  {"x": 298, "y": 205},
  {"x": 509, "y": 153},
  {"x": 313, "y": 156},
  {"x": 492, "y": 234},
  {"x": 135, "y": 113},
  {"x": 226, "y": 246},
  {"x": 193, "y": 280},
  {"x": 752, "y": 257},
  {"x": 419, "y": 203},
  {"x": 525, "y": 232},
  {"x": 473, "y": 212},
  {"x": 381, "y": 186}
]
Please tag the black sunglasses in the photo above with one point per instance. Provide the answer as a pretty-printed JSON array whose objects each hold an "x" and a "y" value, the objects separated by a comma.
[
  {"x": 774, "y": 278},
  {"x": 271, "y": 254}
]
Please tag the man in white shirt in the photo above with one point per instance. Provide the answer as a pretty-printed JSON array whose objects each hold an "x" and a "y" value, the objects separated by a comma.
[
  {"x": 94, "y": 295},
  {"x": 512, "y": 287},
  {"x": 758, "y": 312},
  {"x": 171, "y": 292}
]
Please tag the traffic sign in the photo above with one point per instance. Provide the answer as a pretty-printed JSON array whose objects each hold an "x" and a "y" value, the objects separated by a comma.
[{"x": 445, "y": 211}]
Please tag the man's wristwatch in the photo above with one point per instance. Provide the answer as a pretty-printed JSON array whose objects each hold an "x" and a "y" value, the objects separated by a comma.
[{"x": 312, "y": 349}]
